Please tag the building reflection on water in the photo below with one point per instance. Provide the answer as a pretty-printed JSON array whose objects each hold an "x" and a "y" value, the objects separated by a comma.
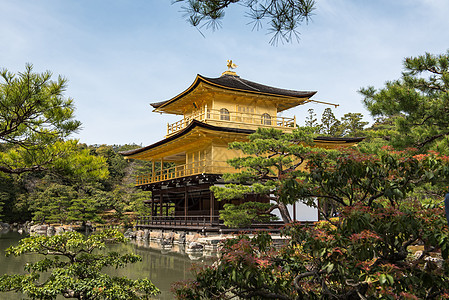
[{"x": 163, "y": 264}]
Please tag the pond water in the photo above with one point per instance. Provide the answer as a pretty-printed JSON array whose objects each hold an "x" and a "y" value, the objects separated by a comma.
[{"x": 161, "y": 266}]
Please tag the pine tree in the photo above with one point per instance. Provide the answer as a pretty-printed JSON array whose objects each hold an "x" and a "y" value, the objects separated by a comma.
[
  {"x": 419, "y": 101},
  {"x": 311, "y": 120},
  {"x": 52, "y": 203},
  {"x": 283, "y": 16},
  {"x": 35, "y": 121},
  {"x": 352, "y": 124},
  {"x": 272, "y": 162},
  {"x": 330, "y": 125}
]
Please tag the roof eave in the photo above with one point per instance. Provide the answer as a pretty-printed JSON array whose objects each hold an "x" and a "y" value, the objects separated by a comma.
[
  {"x": 191, "y": 126},
  {"x": 159, "y": 105}
]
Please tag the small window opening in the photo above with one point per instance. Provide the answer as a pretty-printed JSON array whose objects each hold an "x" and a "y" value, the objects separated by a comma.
[
  {"x": 224, "y": 114},
  {"x": 266, "y": 119}
]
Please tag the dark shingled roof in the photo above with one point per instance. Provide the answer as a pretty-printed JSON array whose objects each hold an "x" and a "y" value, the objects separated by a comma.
[
  {"x": 234, "y": 82},
  {"x": 192, "y": 125},
  {"x": 338, "y": 139},
  {"x": 196, "y": 123},
  {"x": 242, "y": 84}
]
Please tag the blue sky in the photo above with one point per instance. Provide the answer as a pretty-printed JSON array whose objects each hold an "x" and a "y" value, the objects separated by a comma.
[{"x": 119, "y": 55}]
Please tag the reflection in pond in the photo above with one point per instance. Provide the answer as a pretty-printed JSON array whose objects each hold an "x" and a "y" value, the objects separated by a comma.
[{"x": 161, "y": 264}]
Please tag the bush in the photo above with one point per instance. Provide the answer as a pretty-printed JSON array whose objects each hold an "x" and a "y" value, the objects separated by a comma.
[{"x": 364, "y": 254}]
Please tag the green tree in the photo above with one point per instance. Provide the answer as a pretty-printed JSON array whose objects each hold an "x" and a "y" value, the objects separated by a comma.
[
  {"x": 35, "y": 122},
  {"x": 68, "y": 193},
  {"x": 350, "y": 177},
  {"x": 273, "y": 162},
  {"x": 285, "y": 168},
  {"x": 352, "y": 124},
  {"x": 74, "y": 264},
  {"x": 117, "y": 166},
  {"x": 83, "y": 210},
  {"x": 79, "y": 166},
  {"x": 283, "y": 16},
  {"x": 330, "y": 125},
  {"x": 3, "y": 197},
  {"x": 34, "y": 115},
  {"x": 245, "y": 214},
  {"x": 8, "y": 191},
  {"x": 419, "y": 101},
  {"x": 311, "y": 120},
  {"x": 378, "y": 134},
  {"x": 99, "y": 180},
  {"x": 52, "y": 203},
  {"x": 62, "y": 157}
]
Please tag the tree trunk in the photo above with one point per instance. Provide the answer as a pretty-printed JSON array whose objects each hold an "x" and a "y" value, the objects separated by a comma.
[{"x": 284, "y": 213}]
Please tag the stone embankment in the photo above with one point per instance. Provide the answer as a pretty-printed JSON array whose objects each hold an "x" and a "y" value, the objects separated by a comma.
[
  {"x": 191, "y": 240},
  {"x": 21, "y": 228},
  {"x": 41, "y": 229},
  {"x": 50, "y": 230},
  {"x": 4, "y": 226}
]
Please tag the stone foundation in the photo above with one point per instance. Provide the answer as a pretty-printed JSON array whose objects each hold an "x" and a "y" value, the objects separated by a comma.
[{"x": 192, "y": 241}]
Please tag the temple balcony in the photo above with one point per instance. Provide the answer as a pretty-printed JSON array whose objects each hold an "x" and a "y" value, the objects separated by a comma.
[
  {"x": 180, "y": 171},
  {"x": 225, "y": 118}
]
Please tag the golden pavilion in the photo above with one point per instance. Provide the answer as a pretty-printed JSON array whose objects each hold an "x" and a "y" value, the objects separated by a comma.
[{"x": 192, "y": 156}]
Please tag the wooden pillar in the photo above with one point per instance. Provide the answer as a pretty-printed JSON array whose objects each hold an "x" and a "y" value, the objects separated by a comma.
[
  {"x": 152, "y": 170},
  {"x": 186, "y": 201},
  {"x": 294, "y": 211},
  {"x": 212, "y": 200},
  {"x": 152, "y": 204},
  {"x": 161, "y": 200},
  {"x": 167, "y": 206},
  {"x": 162, "y": 169}
]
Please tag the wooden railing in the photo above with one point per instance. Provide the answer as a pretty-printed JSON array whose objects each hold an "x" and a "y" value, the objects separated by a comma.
[
  {"x": 233, "y": 117},
  {"x": 202, "y": 222},
  {"x": 198, "y": 167},
  {"x": 194, "y": 221}
]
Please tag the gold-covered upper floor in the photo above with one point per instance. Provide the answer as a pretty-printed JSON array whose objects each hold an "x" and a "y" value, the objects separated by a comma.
[
  {"x": 234, "y": 119},
  {"x": 232, "y": 102},
  {"x": 216, "y": 112}
]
